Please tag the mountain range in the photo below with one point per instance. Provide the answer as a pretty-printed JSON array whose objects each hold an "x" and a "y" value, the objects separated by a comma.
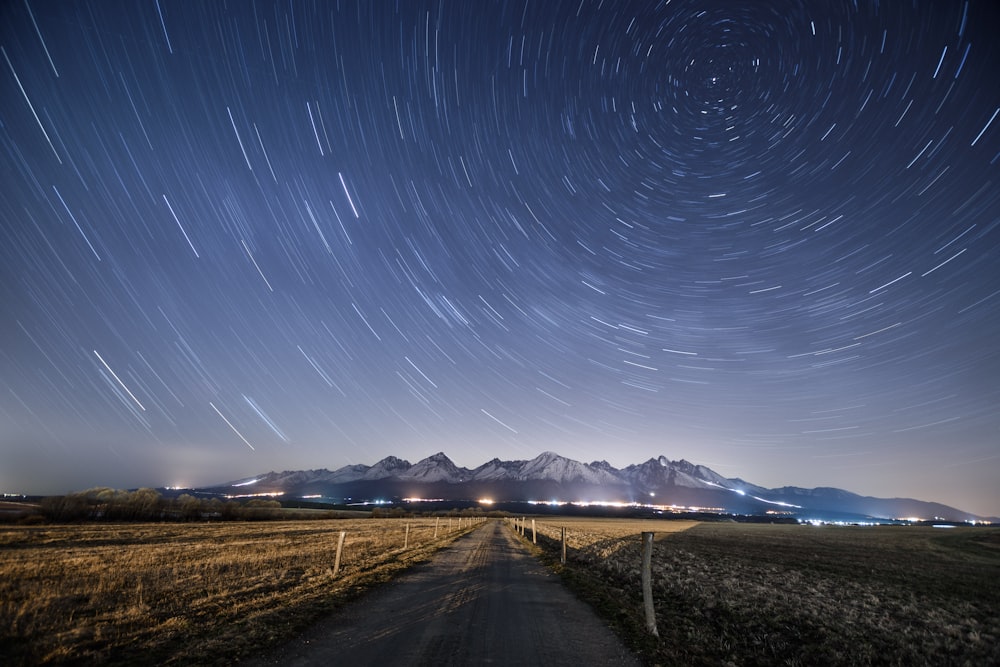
[{"x": 550, "y": 477}]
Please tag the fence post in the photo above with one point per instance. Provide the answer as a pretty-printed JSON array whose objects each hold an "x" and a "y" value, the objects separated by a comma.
[
  {"x": 562, "y": 559},
  {"x": 534, "y": 535},
  {"x": 340, "y": 549},
  {"x": 647, "y": 582},
  {"x": 406, "y": 538},
  {"x": 436, "y": 520}
]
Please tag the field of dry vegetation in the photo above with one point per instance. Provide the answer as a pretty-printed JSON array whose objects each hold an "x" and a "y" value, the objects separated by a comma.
[
  {"x": 205, "y": 593},
  {"x": 759, "y": 594},
  {"x": 725, "y": 593}
]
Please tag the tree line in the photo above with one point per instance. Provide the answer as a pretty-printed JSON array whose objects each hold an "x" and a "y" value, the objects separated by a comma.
[{"x": 106, "y": 504}]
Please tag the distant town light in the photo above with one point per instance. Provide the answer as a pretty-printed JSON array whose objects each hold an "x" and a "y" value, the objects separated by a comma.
[{"x": 268, "y": 494}]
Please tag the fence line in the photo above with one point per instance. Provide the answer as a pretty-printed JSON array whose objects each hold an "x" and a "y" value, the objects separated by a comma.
[{"x": 367, "y": 542}]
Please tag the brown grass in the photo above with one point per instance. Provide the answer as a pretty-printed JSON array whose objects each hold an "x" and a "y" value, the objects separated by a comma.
[
  {"x": 183, "y": 593},
  {"x": 757, "y": 594}
]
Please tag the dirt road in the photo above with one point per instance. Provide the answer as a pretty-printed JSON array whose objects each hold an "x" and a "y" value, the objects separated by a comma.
[{"x": 483, "y": 600}]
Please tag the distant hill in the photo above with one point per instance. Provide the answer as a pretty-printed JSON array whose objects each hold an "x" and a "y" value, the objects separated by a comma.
[{"x": 551, "y": 477}]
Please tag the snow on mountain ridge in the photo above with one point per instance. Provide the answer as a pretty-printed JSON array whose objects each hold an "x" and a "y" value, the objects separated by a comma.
[
  {"x": 549, "y": 465},
  {"x": 390, "y": 466},
  {"x": 496, "y": 470},
  {"x": 546, "y": 466},
  {"x": 436, "y": 468},
  {"x": 654, "y": 473}
]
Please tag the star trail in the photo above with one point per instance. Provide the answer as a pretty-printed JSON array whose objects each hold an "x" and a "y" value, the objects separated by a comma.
[{"x": 763, "y": 237}]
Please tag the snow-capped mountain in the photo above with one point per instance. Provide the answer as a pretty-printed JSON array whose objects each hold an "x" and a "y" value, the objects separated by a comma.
[
  {"x": 390, "y": 466},
  {"x": 436, "y": 468},
  {"x": 550, "y": 476},
  {"x": 497, "y": 470}
]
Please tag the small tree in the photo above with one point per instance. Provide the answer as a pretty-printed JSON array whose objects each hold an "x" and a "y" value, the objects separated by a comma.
[
  {"x": 214, "y": 507},
  {"x": 145, "y": 504},
  {"x": 189, "y": 506}
]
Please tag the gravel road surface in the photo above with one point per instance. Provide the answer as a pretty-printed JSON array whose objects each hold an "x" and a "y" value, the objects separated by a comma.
[{"x": 481, "y": 601}]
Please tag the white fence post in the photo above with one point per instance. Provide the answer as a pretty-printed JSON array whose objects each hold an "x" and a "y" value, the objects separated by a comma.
[
  {"x": 534, "y": 534},
  {"x": 647, "y": 582},
  {"x": 340, "y": 549}
]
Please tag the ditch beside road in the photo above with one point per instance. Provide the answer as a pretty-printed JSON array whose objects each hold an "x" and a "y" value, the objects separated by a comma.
[{"x": 481, "y": 600}]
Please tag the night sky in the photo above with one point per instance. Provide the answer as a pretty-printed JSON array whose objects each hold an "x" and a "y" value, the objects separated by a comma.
[{"x": 761, "y": 236}]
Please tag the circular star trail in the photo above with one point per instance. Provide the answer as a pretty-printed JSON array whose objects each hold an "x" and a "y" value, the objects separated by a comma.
[{"x": 762, "y": 237}]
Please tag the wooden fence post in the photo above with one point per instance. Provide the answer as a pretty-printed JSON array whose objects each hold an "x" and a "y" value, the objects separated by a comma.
[
  {"x": 340, "y": 549},
  {"x": 647, "y": 582},
  {"x": 562, "y": 559},
  {"x": 534, "y": 534},
  {"x": 436, "y": 520},
  {"x": 406, "y": 538}
]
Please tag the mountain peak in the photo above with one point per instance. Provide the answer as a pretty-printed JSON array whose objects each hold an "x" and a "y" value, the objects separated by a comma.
[
  {"x": 436, "y": 468},
  {"x": 552, "y": 466},
  {"x": 388, "y": 467}
]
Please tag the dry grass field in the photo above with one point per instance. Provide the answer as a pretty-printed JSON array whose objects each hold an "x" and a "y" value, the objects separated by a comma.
[
  {"x": 174, "y": 593},
  {"x": 589, "y": 538},
  {"x": 759, "y": 594},
  {"x": 725, "y": 593}
]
